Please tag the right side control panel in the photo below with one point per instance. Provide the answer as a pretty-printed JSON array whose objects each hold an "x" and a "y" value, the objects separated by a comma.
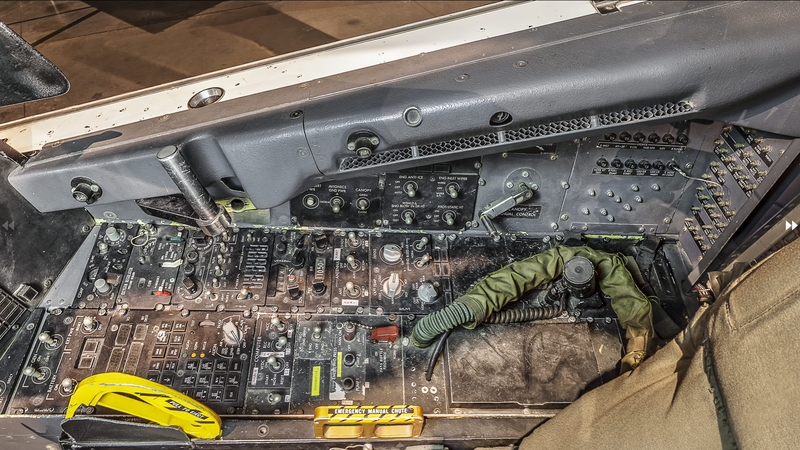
[
  {"x": 695, "y": 180},
  {"x": 741, "y": 165}
]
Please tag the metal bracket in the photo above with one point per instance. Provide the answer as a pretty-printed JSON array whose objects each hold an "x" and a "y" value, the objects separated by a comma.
[
  {"x": 12, "y": 154},
  {"x": 611, "y": 6},
  {"x": 85, "y": 431},
  {"x": 522, "y": 193}
]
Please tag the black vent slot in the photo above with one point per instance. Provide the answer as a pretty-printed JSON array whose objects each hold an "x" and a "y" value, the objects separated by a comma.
[
  {"x": 548, "y": 129},
  {"x": 376, "y": 159},
  {"x": 520, "y": 134},
  {"x": 646, "y": 113},
  {"x": 483, "y": 140}
]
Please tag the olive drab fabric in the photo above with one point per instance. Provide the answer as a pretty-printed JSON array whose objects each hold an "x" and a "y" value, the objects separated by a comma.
[
  {"x": 508, "y": 284},
  {"x": 730, "y": 380}
]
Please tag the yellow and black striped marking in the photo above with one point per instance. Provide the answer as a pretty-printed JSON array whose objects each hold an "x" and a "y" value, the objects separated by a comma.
[{"x": 388, "y": 421}]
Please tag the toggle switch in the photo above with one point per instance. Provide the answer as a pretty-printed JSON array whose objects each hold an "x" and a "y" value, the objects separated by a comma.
[
  {"x": 276, "y": 322},
  {"x": 46, "y": 339},
  {"x": 280, "y": 344},
  {"x": 32, "y": 372}
]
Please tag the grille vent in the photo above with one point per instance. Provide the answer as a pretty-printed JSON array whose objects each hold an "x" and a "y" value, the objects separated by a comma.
[{"x": 519, "y": 134}]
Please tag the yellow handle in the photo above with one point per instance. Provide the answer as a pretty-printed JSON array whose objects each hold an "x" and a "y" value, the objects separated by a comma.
[{"x": 143, "y": 398}]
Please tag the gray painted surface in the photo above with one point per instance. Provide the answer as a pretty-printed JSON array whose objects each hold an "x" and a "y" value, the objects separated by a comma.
[{"x": 648, "y": 53}]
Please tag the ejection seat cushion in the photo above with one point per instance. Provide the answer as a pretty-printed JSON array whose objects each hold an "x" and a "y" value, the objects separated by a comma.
[{"x": 668, "y": 402}]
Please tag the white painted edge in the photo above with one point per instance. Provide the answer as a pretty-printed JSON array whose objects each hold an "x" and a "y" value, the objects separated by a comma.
[{"x": 32, "y": 133}]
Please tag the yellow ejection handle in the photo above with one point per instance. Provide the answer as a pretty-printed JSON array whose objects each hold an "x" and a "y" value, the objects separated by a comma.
[{"x": 148, "y": 400}]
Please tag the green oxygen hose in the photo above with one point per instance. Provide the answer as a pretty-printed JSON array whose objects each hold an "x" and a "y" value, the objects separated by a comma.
[
  {"x": 441, "y": 321},
  {"x": 508, "y": 284},
  {"x": 524, "y": 314}
]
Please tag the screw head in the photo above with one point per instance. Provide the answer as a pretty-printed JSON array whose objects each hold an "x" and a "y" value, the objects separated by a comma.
[
  {"x": 509, "y": 185},
  {"x": 667, "y": 220},
  {"x": 478, "y": 165},
  {"x": 585, "y": 211},
  {"x": 655, "y": 187},
  {"x": 525, "y": 174},
  {"x": 374, "y": 141},
  {"x": 638, "y": 199},
  {"x": 688, "y": 166},
  {"x": 565, "y": 185},
  {"x": 554, "y": 226},
  {"x": 351, "y": 146},
  {"x": 591, "y": 192},
  {"x": 565, "y": 217},
  {"x": 635, "y": 187}
]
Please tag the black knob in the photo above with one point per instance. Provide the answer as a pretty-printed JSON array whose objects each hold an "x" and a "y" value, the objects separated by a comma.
[
  {"x": 602, "y": 162},
  {"x": 82, "y": 193},
  {"x": 616, "y": 163},
  {"x": 654, "y": 138},
  {"x": 188, "y": 269},
  {"x": 610, "y": 136},
  {"x": 298, "y": 259},
  {"x": 638, "y": 137},
  {"x": 644, "y": 164},
  {"x": 683, "y": 139},
  {"x": 658, "y": 165},
  {"x": 294, "y": 292},
  {"x": 625, "y": 136},
  {"x": 192, "y": 256},
  {"x": 319, "y": 287},
  {"x": 668, "y": 139},
  {"x": 321, "y": 242},
  {"x": 200, "y": 240},
  {"x": 190, "y": 285},
  {"x": 630, "y": 164}
]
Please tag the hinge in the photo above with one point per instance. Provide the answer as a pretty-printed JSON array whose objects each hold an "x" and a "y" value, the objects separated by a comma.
[{"x": 612, "y": 6}]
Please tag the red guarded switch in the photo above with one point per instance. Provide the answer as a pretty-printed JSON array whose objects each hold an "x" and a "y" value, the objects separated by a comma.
[{"x": 384, "y": 334}]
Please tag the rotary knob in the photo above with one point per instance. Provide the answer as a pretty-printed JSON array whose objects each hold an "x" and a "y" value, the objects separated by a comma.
[
  {"x": 427, "y": 293},
  {"x": 393, "y": 286},
  {"x": 391, "y": 253}
]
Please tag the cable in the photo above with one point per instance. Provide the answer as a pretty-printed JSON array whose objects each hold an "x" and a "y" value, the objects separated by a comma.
[
  {"x": 141, "y": 233},
  {"x": 434, "y": 324},
  {"x": 437, "y": 350},
  {"x": 683, "y": 174}
]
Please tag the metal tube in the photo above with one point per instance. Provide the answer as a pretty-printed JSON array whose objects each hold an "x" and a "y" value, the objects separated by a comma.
[{"x": 212, "y": 219}]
